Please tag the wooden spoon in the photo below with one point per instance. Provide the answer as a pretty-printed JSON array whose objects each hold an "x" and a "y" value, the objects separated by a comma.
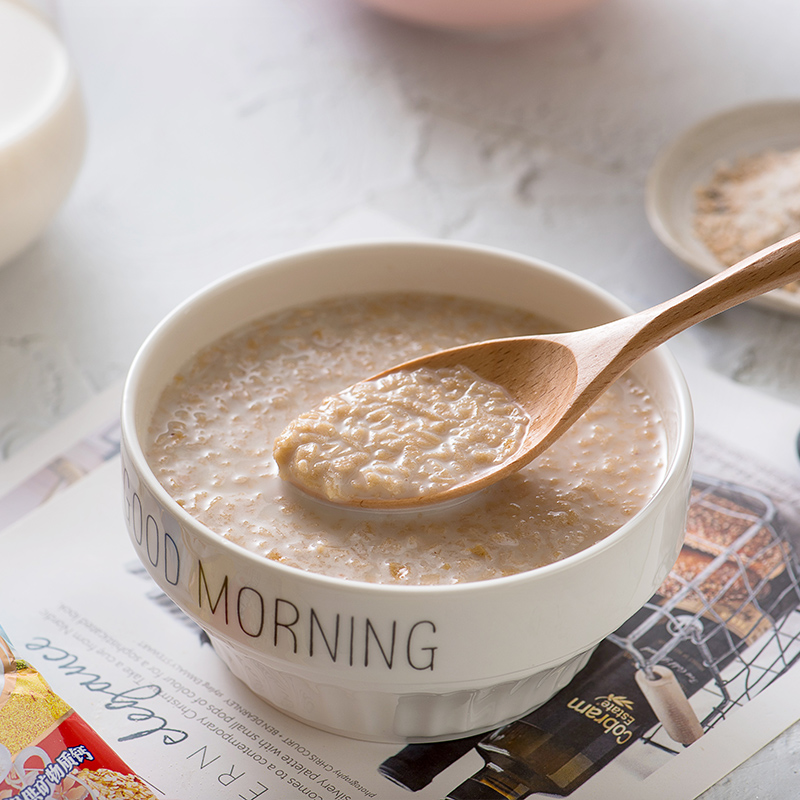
[{"x": 555, "y": 378}]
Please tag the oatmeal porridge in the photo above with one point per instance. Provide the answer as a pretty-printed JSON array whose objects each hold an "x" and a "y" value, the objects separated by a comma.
[
  {"x": 211, "y": 440},
  {"x": 404, "y": 435}
]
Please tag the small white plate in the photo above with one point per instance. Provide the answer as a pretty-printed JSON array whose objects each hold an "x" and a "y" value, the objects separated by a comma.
[{"x": 690, "y": 161}]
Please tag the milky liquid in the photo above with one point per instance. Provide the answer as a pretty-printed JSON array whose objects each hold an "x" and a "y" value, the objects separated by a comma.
[{"x": 212, "y": 435}]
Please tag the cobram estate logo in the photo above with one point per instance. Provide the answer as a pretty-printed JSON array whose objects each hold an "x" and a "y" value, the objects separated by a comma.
[
  {"x": 612, "y": 712},
  {"x": 617, "y": 700}
]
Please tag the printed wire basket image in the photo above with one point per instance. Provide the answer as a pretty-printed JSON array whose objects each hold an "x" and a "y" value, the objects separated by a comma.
[
  {"x": 726, "y": 621},
  {"x": 723, "y": 626}
]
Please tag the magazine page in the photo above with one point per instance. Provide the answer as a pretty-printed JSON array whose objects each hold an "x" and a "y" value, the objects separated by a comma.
[
  {"x": 78, "y": 605},
  {"x": 687, "y": 690},
  {"x": 727, "y": 619},
  {"x": 58, "y": 459}
]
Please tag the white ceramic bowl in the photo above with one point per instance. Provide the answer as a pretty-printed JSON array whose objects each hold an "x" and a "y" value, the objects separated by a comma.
[{"x": 413, "y": 663}]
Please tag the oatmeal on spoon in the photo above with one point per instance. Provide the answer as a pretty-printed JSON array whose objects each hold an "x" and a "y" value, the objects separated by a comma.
[{"x": 448, "y": 424}]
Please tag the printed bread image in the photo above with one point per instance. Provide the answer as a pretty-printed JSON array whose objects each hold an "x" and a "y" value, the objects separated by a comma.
[
  {"x": 716, "y": 529},
  {"x": 729, "y": 560},
  {"x": 725, "y": 593},
  {"x": 722, "y": 582}
]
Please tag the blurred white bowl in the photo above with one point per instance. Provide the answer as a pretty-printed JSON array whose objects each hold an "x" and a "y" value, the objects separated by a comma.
[{"x": 42, "y": 126}]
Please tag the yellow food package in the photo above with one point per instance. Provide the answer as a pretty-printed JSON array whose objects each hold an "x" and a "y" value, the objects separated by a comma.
[{"x": 47, "y": 750}]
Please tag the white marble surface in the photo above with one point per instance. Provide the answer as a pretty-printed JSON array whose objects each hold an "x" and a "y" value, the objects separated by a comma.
[{"x": 224, "y": 132}]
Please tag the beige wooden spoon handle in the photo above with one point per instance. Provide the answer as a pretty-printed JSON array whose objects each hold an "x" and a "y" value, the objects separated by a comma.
[
  {"x": 771, "y": 268},
  {"x": 608, "y": 350}
]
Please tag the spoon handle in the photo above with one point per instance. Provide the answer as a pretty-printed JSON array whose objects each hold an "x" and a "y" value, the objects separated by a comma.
[
  {"x": 609, "y": 350},
  {"x": 768, "y": 269}
]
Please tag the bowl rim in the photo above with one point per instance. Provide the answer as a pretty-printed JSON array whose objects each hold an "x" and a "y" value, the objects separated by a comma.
[{"x": 135, "y": 453}]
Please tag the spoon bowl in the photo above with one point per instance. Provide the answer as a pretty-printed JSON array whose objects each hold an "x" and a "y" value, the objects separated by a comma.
[
  {"x": 539, "y": 372},
  {"x": 555, "y": 378}
]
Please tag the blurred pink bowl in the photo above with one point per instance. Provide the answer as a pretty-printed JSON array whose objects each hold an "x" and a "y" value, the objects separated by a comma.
[{"x": 479, "y": 14}]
